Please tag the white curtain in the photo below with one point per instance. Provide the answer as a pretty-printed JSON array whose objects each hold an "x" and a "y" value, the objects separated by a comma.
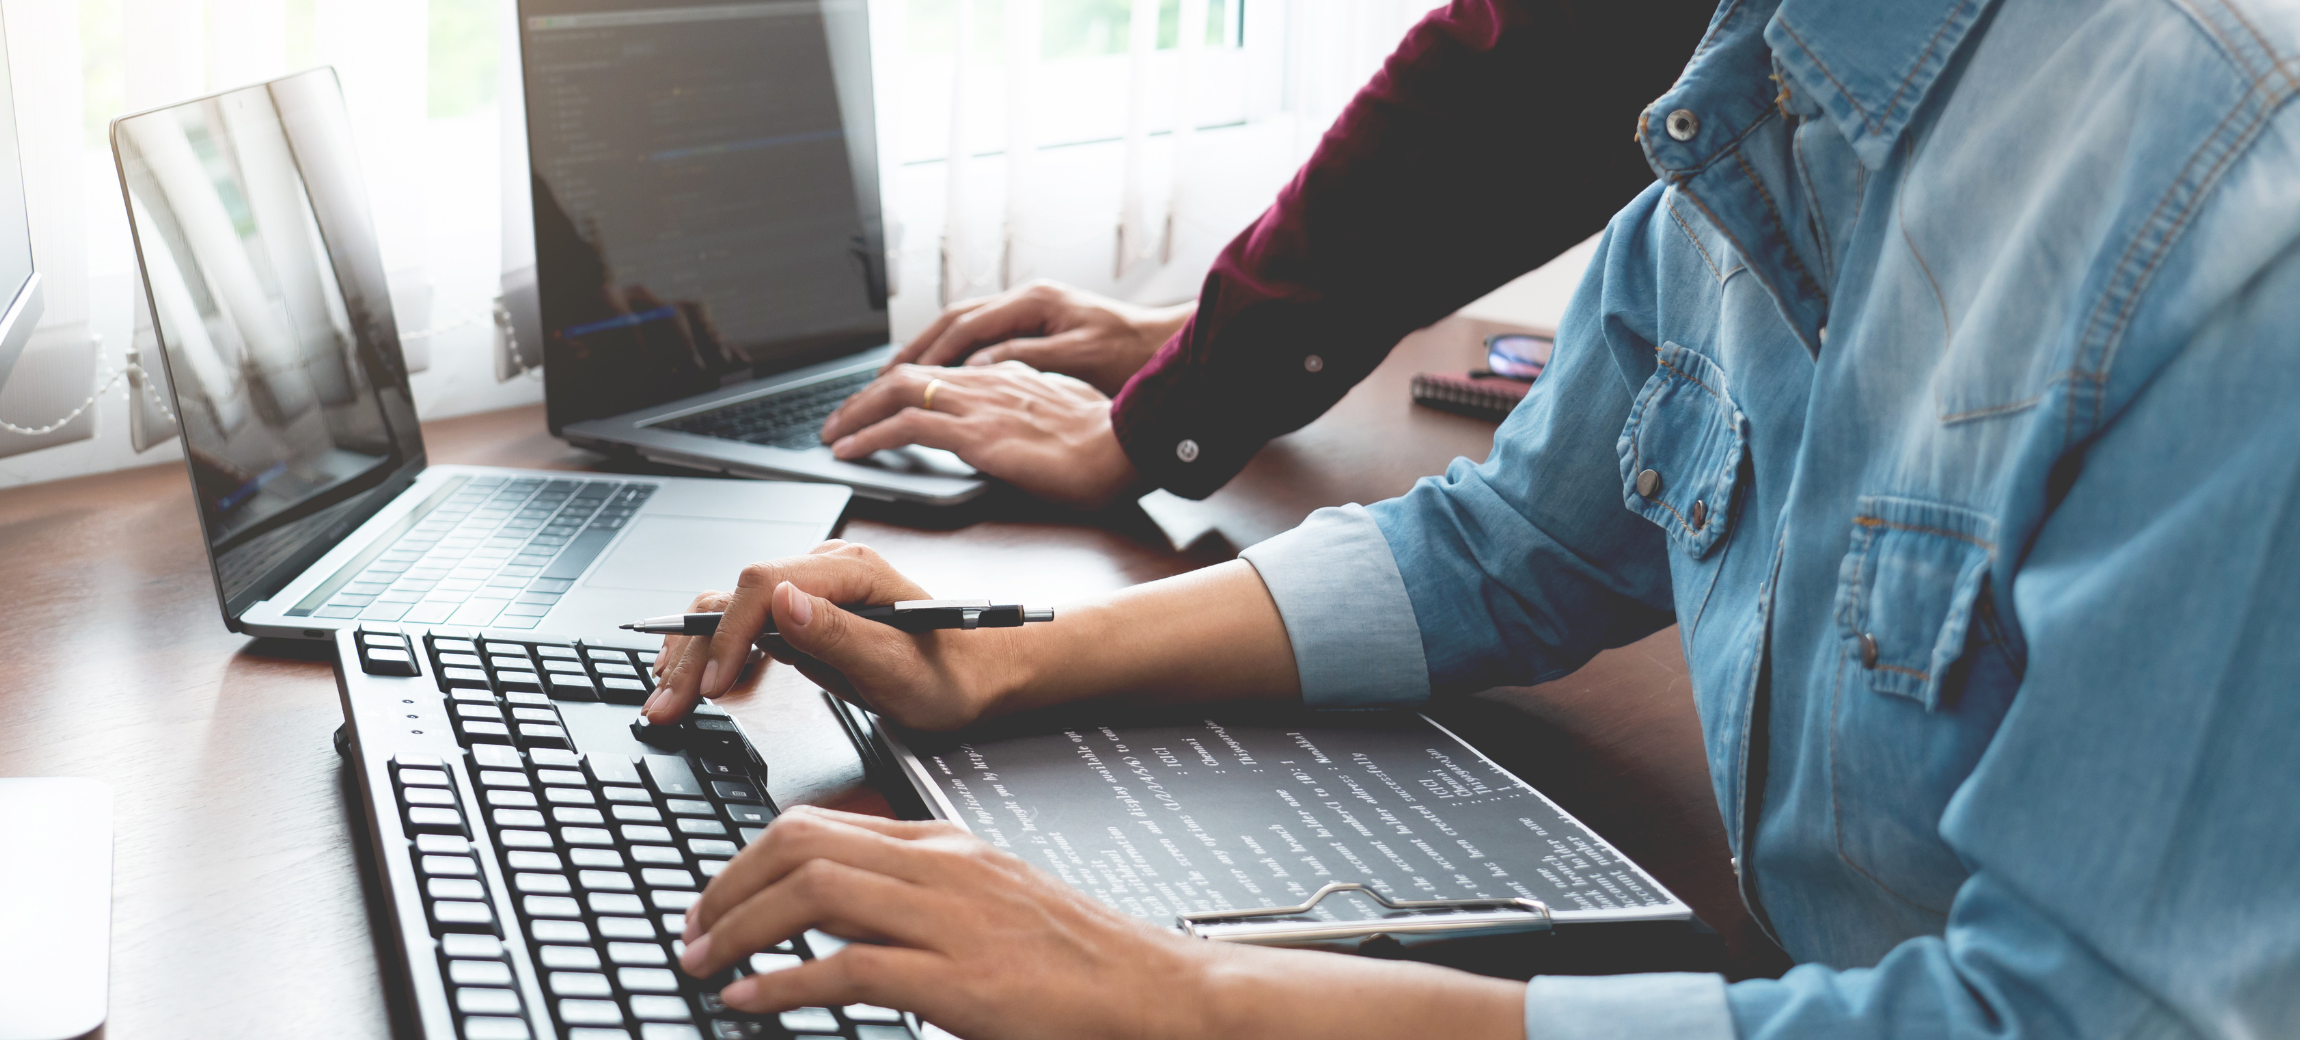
[{"x": 1122, "y": 170}]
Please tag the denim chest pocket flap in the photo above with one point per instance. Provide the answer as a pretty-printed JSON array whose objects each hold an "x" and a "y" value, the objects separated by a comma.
[
  {"x": 1682, "y": 450},
  {"x": 1907, "y": 591}
]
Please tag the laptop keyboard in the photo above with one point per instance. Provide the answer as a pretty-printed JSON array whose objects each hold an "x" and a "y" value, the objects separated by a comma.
[
  {"x": 495, "y": 552},
  {"x": 785, "y": 419},
  {"x": 602, "y": 854}
]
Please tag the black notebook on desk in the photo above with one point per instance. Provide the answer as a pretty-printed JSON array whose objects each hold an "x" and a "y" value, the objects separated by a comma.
[{"x": 1302, "y": 829}]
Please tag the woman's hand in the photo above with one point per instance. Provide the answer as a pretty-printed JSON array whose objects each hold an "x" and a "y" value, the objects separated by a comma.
[
  {"x": 927, "y": 680},
  {"x": 986, "y": 946},
  {"x": 1047, "y": 434},
  {"x": 1050, "y": 327}
]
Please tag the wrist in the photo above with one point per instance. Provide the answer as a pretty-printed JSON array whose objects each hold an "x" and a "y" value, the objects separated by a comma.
[{"x": 1159, "y": 324}]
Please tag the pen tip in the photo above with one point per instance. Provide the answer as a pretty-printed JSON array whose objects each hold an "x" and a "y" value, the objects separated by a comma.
[{"x": 626, "y": 627}]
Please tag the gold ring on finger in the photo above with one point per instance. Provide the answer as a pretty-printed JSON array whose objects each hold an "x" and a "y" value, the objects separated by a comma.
[{"x": 931, "y": 387}]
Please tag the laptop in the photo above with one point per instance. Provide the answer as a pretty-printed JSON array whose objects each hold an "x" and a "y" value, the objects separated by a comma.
[
  {"x": 710, "y": 269},
  {"x": 268, "y": 300}
]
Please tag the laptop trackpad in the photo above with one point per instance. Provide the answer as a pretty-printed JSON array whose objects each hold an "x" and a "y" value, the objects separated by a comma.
[{"x": 687, "y": 554}]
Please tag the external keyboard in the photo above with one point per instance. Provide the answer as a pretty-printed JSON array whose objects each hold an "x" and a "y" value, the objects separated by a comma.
[
  {"x": 481, "y": 551},
  {"x": 790, "y": 418},
  {"x": 540, "y": 848}
]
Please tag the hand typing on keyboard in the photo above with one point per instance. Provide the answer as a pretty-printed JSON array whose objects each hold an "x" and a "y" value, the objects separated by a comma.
[{"x": 1047, "y": 434}]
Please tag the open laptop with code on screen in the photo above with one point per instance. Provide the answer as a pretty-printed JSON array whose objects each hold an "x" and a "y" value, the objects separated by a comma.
[{"x": 268, "y": 297}]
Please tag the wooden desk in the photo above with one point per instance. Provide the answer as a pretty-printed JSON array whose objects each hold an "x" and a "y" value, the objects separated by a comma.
[{"x": 238, "y": 908}]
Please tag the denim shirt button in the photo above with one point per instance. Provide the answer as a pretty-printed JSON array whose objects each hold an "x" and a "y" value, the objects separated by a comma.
[
  {"x": 1868, "y": 651},
  {"x": 1683, "y": 124},
  {"x": 1648, "y": 484},
  {"x": 1700, "y": 514}
]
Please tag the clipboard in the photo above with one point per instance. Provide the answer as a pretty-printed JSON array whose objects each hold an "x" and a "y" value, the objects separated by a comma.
[{"x": 1382, "y": 920}]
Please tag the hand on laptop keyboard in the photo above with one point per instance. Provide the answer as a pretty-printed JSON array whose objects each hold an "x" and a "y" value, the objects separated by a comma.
[{"x": 1044, "y": 433}]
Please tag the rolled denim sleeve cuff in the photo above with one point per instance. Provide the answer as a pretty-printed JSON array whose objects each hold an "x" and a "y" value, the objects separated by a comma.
[
  {"x": 1345, "y": 606},
  {"x": 1677, "y": 1005}
]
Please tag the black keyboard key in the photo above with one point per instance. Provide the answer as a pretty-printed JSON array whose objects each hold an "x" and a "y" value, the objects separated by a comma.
[
  {"x": 694, "y": 827},
  {"x": 442, "y": 844},
  {"x": 435, "y": 820},
  {"x": 643, "y": 954},
  {"x": 490, "y": 1028},
  {"x": 869, "y": 1013},
  {"x": 590, "y": 1013},
  {"x": 534, "y": 883},
  {"x": 751, "y": 814},
  {"x": 449, "y": 866},
  {"x": 427, "y": 796},
  {"x": 466, "y": 944},
  {"x": 531, "y": 860},
  {"x": 883, "y": 1032},
  {"x": 651, "y": 1008},
  {"x": 611, "y": 769},
  {"x": 454, "y": 888},
  {"x": 423, "y": 777},
  {"x": 579, "y": 984},
  {"x": 537, "y": 734},
  {"x": 616, "y": 689},
  {"x": 498, "y": 758},
  {"x": 626, "y": 928},
  {"x": 458, "y": 916},
  {"x": 603, "y": 859},
  {"x": 810, "y": 1020},
  {"x": 507, "y": 798},
  {"x": 671, "y": 777},
  {"x": 736, "y": 791},
  {"x": 479, "y": 973},
  {"x": 484, "y": 732},
  {"x": 580, "y": 958},
  {"x": 648, "y": 980}
]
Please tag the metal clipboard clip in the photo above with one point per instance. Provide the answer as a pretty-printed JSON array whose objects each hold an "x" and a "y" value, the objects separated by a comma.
[{"x": 1499, "y": 915}]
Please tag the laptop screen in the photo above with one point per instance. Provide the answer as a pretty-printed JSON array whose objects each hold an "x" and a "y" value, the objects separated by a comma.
[
  {"x": 705, "y": 194},
  {"x": 266, "y": 295}
]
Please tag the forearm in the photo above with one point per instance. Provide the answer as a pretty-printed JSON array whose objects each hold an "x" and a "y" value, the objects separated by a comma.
[
  {"x": 1265, "y": 993},
  {"x": 1209, "y": 635},
  {"x": 1159, "y": 324}
]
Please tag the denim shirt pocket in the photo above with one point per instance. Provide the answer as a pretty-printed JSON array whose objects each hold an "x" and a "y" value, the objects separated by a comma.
[
  {"x": 1682, "y": 450},
  {"x": 1907, "y": 588}
]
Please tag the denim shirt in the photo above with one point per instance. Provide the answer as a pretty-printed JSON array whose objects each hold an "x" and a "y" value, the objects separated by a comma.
[{"x": 1945, "y": 392}]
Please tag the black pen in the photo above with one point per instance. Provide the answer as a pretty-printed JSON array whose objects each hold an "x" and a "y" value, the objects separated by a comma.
[{"x": 914, "y": 615}]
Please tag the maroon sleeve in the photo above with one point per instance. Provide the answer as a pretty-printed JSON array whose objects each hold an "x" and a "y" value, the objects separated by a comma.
[{"x": 1499, "y": 134}]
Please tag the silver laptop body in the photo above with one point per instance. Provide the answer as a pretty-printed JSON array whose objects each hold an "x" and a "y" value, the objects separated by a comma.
[
  {"x": 267, "y": 297},
  {"x": 710, "y": 266}
]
